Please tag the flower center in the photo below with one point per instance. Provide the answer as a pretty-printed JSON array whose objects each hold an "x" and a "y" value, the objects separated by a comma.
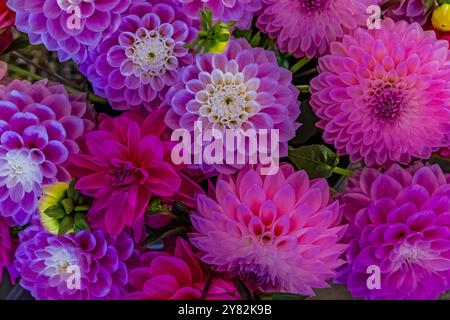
[
  {"x": 18, "y": 167},
  {"x": 152, "y": 52},
  {"x": 126, "y": 174},
  {"x": 386, "y": 103},
  {"x": 228, "y": 102},
  {"x": 60, "y": 260},
  {"x": 313, "y": 6}
]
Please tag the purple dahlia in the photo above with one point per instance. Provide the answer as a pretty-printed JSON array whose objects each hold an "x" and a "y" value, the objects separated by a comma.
[
  {"x": 278, "y": 233},
  {"x": 400, "y": 222},
  {"x": 384, "y": 95},
  {"x": 242, "y": 88},
  {"x": 240, "y": 11},
  {"x": 6, "y": 248},
  {"x": 409, "y": 10},
  {"x": 70, "y": 27},
  {"x": 39, "y": 126},
  {"x": 137, "y": 64},
  {"x": 306, "y": 28},
  {"x": 49, "y": 265}
]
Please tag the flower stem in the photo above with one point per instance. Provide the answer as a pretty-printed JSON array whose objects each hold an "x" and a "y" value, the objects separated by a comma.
[
  {"x": 300, "y": 64},
  {"x": 343, "y": 172},
  {"x": 303, "y": 88}
]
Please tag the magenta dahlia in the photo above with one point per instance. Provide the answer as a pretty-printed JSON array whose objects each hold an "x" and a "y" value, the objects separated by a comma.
[
  {"x": 137, "y": 64},
  {"x": 177, "y": 276},
  {"x": 239, "y": 11},
  {"x": 6, "y": 248},
  {"x": 278, "y": 233},
  {"x": 70, "y": 27},
  {"x": 306, "y": 28},
  {"x": 242, "y": 88},
  {"x": 39, "y": 127},
  {"x": 124, "y": 164},
  {"x": 383, "y": 95},
  {"x": 85, "y": 266},
  {"x": 400, "y": 222}
]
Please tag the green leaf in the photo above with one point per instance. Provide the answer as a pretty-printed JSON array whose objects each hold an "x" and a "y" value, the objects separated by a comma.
[
  {"x": 73, "y": 193},
  {"x": 318, "y": 160},
  {"x": 68, "y": 205},
  {"x": 56, "y": 212},
  {"x": 65, "y": 225},
  {"x": 81, "y": 222}
]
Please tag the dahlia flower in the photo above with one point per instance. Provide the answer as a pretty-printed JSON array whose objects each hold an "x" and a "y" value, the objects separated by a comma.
[
  {"x": 409, "y": 10},
  {"x": 6, "y": 248},
  {"x": 137, "y": 64},
  {"x": 177, "y": 276},
  {"x": 306, "y": 28},
  {"x": 400, "y": 222},
  {"x": 7, "y": 16},
  {"x": 39, "y": 126},
  {"x": 278, "y": 233},
  {"x": 239, "y": 11},
  {"x": 124, "y": 164},
  {"x": 49, "y": 265},
  {"x": 70, "y": 27},
  {"x": 383, "y": 95},
  {"x": 242, "y": 88}
]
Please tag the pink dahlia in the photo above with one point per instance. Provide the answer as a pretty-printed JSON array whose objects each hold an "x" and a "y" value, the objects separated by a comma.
[
  {"x": 39, "y": 127},
  {"x": 278, "y": 233},
  {"x": 409, "y": 10},
  {"x": 383, "y": 95},
  {"x": 306, "y": 28},
  {"x": 242, "y": 88},
  {"x": 240, "y": 11},
  {"x": 70, "y": 27},
  {"x": 124, "y": 163},
  {"x": 50, "y": 266},
  {"x": 177, "y": 276},
  {"x": 140, "y": 61},
  {"x": 400, "y": 222},
  {"x": 6, "y": 248}
]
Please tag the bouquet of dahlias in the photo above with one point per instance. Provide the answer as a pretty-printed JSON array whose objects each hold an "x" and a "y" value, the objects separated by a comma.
[{"x": 224, "y": 149}]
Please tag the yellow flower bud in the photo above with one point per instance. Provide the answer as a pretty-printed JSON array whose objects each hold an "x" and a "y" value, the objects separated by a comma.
[
  {"x": 52, "y": 195},
  {"x": 441, "y": 18},
  {"x": 220, "y": 46}
]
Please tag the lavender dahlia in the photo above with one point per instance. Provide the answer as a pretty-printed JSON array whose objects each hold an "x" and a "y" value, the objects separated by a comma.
[
  {"x": 409, "y": 10},
  {"x": 39, "y": 126},
  {"x": 137, "y": 64},
  {"x": 240, "y": 11},
  {"x": 46, "y": 262},
  {"x": 383, "y": 95},
  {"x": 242, "y": 88},
  {"x": 306, "y": 28},
  {"x": 70, "y": 27},
  {"x": 278, "y": 233},
  {"x": 400, "y": 222}
]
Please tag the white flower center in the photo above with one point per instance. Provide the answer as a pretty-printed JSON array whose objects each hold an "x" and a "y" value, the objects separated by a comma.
[
  {"x": 228, "y": 101},
  {"x": 18, "y": 167},
  {"x": 59, "y": 261},
  {"x": 152, "y": 52}
]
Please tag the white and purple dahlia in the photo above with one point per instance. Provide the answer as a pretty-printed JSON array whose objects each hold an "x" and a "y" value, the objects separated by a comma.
[
  {"x": 39, "y": 126},
  {"x": 137, "y": 64},
  {"x": 85, "y": 266},
  {"x": 70, "y": 27}
]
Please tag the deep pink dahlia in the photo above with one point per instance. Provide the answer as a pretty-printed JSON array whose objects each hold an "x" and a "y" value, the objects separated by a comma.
[
  {"x": 177, "y": 276},
  {"x": 137, "y": 64},
  {"x": 384, "y": 95},
  {"x": 400, "y": 222},
  {"x": 49, "y": 265},
  {"x": 240, "y": 11},
  {"x": 242, "y": 88},
  {"x": 6, "y": 247},
  {"x": 278, "y": 233},
  {"x": 39, "y": 126},
  {"x": 409, "y": 10},
  {"x": 124, "y": 164},
  {"x": 306, "y": 28},
  {"x": 70, "y": 27}
]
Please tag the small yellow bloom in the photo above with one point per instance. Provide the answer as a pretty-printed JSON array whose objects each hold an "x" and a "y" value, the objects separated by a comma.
[
  {"x": 220, "y": 46},
  {"x": 441, "y": 18},
  {"x": 52, "y": 195}
]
